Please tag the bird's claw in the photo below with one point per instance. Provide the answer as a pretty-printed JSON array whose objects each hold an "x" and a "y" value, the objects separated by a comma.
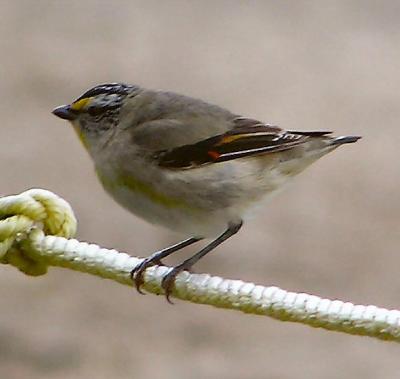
[
  {"x": 137, "y": 273},
  {"x": 168, "y": 282}
]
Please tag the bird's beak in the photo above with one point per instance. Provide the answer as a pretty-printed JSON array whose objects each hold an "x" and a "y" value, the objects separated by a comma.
[{"x": 65, "y": 112}]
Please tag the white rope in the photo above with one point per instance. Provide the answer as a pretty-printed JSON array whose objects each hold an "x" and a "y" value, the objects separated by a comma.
[{"x": 25, "y": 220}]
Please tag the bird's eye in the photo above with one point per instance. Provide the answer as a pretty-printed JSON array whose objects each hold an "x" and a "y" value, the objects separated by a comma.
[{"x": 95, "y": 111}]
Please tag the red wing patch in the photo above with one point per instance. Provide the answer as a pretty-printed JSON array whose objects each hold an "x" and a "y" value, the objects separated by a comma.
[{"x": 214, "y": 155}]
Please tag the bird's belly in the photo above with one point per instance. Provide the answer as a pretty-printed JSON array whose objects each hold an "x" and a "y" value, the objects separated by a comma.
[
  {"x": 193, "y": 202},
  {"x": 181, "y": 217},
  {"x": 158, "y": 206}
]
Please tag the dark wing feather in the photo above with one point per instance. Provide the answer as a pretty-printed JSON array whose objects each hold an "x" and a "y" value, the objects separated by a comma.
[{"x": 247, "y": 138}]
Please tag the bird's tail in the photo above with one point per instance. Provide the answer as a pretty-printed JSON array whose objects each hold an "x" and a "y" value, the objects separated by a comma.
[{"x": 344, "y": 139}]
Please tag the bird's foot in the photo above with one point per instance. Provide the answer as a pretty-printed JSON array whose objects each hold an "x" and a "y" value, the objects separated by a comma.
[
  {"x": 168, "y": 282},
  {"x": 138, "y": 272}
]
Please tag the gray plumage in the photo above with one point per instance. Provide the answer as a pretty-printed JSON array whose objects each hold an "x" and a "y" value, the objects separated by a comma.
[
  {"x": 185, "y": 164},
  {"x": 200, "y": 197}
]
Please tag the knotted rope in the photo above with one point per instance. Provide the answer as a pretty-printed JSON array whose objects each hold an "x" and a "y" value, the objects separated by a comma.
[
  {"x": 35, "y": 208},
  {"x": 35, "y": 228}
]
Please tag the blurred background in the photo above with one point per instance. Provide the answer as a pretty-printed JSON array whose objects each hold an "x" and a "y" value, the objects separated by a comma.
[{"x": 334, "y": 232}]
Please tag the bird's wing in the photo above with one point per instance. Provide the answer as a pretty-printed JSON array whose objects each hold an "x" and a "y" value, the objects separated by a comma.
[{"x": 247, "y": 138}]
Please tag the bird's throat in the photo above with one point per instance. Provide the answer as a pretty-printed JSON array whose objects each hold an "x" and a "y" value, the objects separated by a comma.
[{"x": 81, "y": 135}]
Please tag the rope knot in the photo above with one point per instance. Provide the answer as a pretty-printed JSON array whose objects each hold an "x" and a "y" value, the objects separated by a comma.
[{"x": 32, "y": 209}]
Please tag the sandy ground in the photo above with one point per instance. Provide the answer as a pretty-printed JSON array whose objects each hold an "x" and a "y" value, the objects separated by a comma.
[{"x": 333, "y": 232}]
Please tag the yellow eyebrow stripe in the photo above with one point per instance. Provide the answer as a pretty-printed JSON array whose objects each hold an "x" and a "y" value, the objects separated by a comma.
[{"x": 78, "y": 105}]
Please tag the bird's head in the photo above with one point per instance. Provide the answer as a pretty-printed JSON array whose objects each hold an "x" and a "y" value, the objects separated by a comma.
[{"x": 95, "y": 113}]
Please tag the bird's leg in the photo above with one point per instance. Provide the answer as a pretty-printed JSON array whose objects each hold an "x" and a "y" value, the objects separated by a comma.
[
  {"x": 169, "y": 279},
  {"x": 155, "y": 258}
]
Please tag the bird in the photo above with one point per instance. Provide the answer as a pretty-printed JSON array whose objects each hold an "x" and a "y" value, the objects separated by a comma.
[{"x": 185, "y": 164}]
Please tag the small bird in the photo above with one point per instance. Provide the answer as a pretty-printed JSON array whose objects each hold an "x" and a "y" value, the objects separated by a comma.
[{"x": 185, "y": 164}]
